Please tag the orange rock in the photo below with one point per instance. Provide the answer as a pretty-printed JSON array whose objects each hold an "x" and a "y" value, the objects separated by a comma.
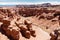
[
  {"x": 53, "y": 36},
  {"x": 33, "y": 33},
  {"x": 23, "y": 27},
  {"x": 29, "y": 27},
  {"x": 27, "y": 22},
  {"x": 25, "y": 34},
  {"x": 13, "y": 34}
]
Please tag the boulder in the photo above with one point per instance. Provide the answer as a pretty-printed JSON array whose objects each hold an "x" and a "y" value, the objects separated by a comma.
[
  {"x": 53, "y": 36},
  {"x": 23, "y": 27},
  {"x": 25, "y": 34},
  {"x": 11, "y": 33},
  {"x": 27, "y": 22},
  {"x": 33, "y": 33}
]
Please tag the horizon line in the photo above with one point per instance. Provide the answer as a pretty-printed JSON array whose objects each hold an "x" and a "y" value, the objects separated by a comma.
[{"x": 27, "y": 3}]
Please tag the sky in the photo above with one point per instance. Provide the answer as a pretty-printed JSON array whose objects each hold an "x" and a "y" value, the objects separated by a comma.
[
  {"x": 28, "y": 0},
  {"x": 13, "y": 2}
]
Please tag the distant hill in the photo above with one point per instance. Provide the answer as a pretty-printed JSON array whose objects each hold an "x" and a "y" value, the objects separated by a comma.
[
  {"x": 31, "y": 6},
  {"x": 45, "y": 5},
  {"x": 37, "y": 5}
]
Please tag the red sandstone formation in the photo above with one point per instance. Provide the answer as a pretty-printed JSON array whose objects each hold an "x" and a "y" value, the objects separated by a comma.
[{"x": 16, "y": 21}]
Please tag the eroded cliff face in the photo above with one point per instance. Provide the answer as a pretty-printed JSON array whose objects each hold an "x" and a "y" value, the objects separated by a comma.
[
  {"x": 11, "y": 26},
  {"x": 48, "y": 18},
  {"x": 29, "y": 23}
]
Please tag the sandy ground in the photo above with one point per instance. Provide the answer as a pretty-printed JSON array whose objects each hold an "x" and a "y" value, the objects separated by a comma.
[
  {"x": 43, "y": 23},
  {"x": 3, "y": 37}
]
